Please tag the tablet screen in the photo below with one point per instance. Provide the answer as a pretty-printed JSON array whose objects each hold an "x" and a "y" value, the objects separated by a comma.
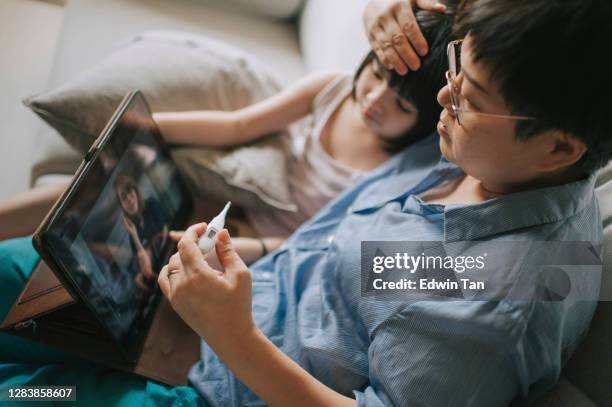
[{"x": 111, "y": 236}]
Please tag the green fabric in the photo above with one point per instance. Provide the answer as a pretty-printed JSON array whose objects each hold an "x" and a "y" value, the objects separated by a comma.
[
  {"x": 97, "y": 386},
  {"x": 25, "y": 363},
  {"x": 17, "y": 261}
]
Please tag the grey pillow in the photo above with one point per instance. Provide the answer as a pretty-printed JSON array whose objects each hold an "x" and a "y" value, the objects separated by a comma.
[
  {"x": 178, "y": 72},
  {"x": 249, "y": 175}
]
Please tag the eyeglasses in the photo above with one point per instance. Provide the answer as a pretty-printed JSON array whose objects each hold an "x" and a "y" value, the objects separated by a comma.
[{"x": 453, "y": 52}]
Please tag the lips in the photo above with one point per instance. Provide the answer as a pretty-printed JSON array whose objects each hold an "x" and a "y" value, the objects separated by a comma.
[{"x": 441, "y": 128}]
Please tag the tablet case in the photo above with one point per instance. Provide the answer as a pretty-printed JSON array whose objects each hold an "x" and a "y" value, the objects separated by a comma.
[{"x": 46, "y": 312}]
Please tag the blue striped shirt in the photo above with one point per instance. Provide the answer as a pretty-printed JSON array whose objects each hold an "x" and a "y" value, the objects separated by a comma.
[{"x": 307, "y": 298}]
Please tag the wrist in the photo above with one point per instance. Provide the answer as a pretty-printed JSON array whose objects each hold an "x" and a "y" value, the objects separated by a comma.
[
  {"x": 134, "y": 235},
  {"x": 370, "y": 12},
  {"x": 235, "y": 347},
  {"x": 264, "y": 248}
]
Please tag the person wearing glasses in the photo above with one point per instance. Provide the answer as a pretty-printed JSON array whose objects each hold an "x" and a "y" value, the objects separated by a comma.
[
  {"x": 522, "y": 133},
  {"x": 522, "y": 138}
]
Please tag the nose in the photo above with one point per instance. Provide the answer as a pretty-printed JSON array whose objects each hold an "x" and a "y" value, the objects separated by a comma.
[
  {"x": 444, "y": 96},
  {"x": 445, "y": 101},
  {"x": 376, "y": 96}
]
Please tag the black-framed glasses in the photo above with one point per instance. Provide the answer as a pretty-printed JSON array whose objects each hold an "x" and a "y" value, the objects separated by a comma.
[{"x": 453, "y": 51}]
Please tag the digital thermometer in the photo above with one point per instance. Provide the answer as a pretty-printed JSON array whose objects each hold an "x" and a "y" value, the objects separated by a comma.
[{"x": 208, "y": 239}]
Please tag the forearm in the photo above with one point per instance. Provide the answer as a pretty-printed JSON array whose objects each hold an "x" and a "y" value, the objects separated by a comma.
[
  {"x": 20, "y": 215},
  {"x": 272, "y": 375},
  {"x": 143, "y": 256},
  {"x": 217, "y": 305},
  {"x": 273, "y": 243},
  {"x": 250, "y": 249},
  {"x": 214, "y": 128},
  {"x": 219, "y": 128}
]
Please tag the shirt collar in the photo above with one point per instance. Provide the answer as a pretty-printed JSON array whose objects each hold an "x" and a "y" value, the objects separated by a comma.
[
  {"x": 413, "y": 170},
  {"x": 516, "y": 211}
]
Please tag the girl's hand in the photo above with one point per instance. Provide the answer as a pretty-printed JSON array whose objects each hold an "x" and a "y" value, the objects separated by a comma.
[
  {"x": 216, "y": 304},
  {"x": 131, "y": 228},
  {"x": 144, "y": 286},
  {"x": 394, "y": 33},
  {"x": 176, "y": 235}
]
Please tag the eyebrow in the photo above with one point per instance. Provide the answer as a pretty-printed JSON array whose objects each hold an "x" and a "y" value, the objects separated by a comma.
[{"x": 473, "y": 82}]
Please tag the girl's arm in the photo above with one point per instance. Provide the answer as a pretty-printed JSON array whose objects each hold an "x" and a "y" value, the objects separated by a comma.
[
  {"x": 21, "y": 214},
  {"x": 249, "y": 249},
  {"x": 221, "y": 128}
]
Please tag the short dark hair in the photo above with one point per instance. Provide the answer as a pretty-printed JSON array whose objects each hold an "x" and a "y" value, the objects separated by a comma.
[
  {"x": 548, "y": 58},
  {"x": 421, "y": 86},
  {"x": 125, "y": 182}
]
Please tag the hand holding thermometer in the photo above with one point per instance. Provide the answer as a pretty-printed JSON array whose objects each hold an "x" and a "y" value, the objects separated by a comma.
[{"x": 207, "y": 240}]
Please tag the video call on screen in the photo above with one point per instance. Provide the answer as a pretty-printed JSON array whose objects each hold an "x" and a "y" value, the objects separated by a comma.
[{"x": 113, "y": 235}]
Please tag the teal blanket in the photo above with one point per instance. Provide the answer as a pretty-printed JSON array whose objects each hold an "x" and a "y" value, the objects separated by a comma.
[{"x": 25, "y": 363}]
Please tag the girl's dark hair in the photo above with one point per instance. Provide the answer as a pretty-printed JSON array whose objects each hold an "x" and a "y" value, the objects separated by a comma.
[
  {"x": 421, "y": 86},
  {"x": 124, "y": 182}
]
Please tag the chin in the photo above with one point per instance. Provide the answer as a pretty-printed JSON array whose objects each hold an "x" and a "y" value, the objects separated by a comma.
[
  {"x": 446, "y": 151},
  {"x": 385, "y": 137},
  {"x": 380, "y": 133}
]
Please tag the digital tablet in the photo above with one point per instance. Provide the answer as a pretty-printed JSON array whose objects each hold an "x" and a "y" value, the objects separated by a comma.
[{"x": 107, "y": 236}]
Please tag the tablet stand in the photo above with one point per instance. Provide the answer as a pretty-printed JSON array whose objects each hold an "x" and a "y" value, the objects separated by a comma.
[{"x": 46, "y": 312}]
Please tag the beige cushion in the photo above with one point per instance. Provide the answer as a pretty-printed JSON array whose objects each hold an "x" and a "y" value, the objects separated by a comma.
[
  {"x": 254, "y": 170},
  {"x": 282, "y": 9},
  {"x": 179, "y": 72}
]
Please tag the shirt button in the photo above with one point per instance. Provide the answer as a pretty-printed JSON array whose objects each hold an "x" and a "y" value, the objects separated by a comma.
[
  {"x": 349, "y": 209},
  {"x": 330, "y": 238}
]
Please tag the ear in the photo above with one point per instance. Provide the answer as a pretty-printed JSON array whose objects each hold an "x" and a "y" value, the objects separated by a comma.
[{"x": 562, "y": 151}]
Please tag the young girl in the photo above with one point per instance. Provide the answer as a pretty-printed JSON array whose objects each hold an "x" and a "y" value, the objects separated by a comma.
[{"x": 356, "y": 124}]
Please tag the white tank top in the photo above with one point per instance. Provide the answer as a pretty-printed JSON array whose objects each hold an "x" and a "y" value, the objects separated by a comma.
[{"x": 314, "y": 176}]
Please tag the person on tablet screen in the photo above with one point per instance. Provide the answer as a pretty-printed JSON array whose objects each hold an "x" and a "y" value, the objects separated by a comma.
[{"x": 143, "y": 220}]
